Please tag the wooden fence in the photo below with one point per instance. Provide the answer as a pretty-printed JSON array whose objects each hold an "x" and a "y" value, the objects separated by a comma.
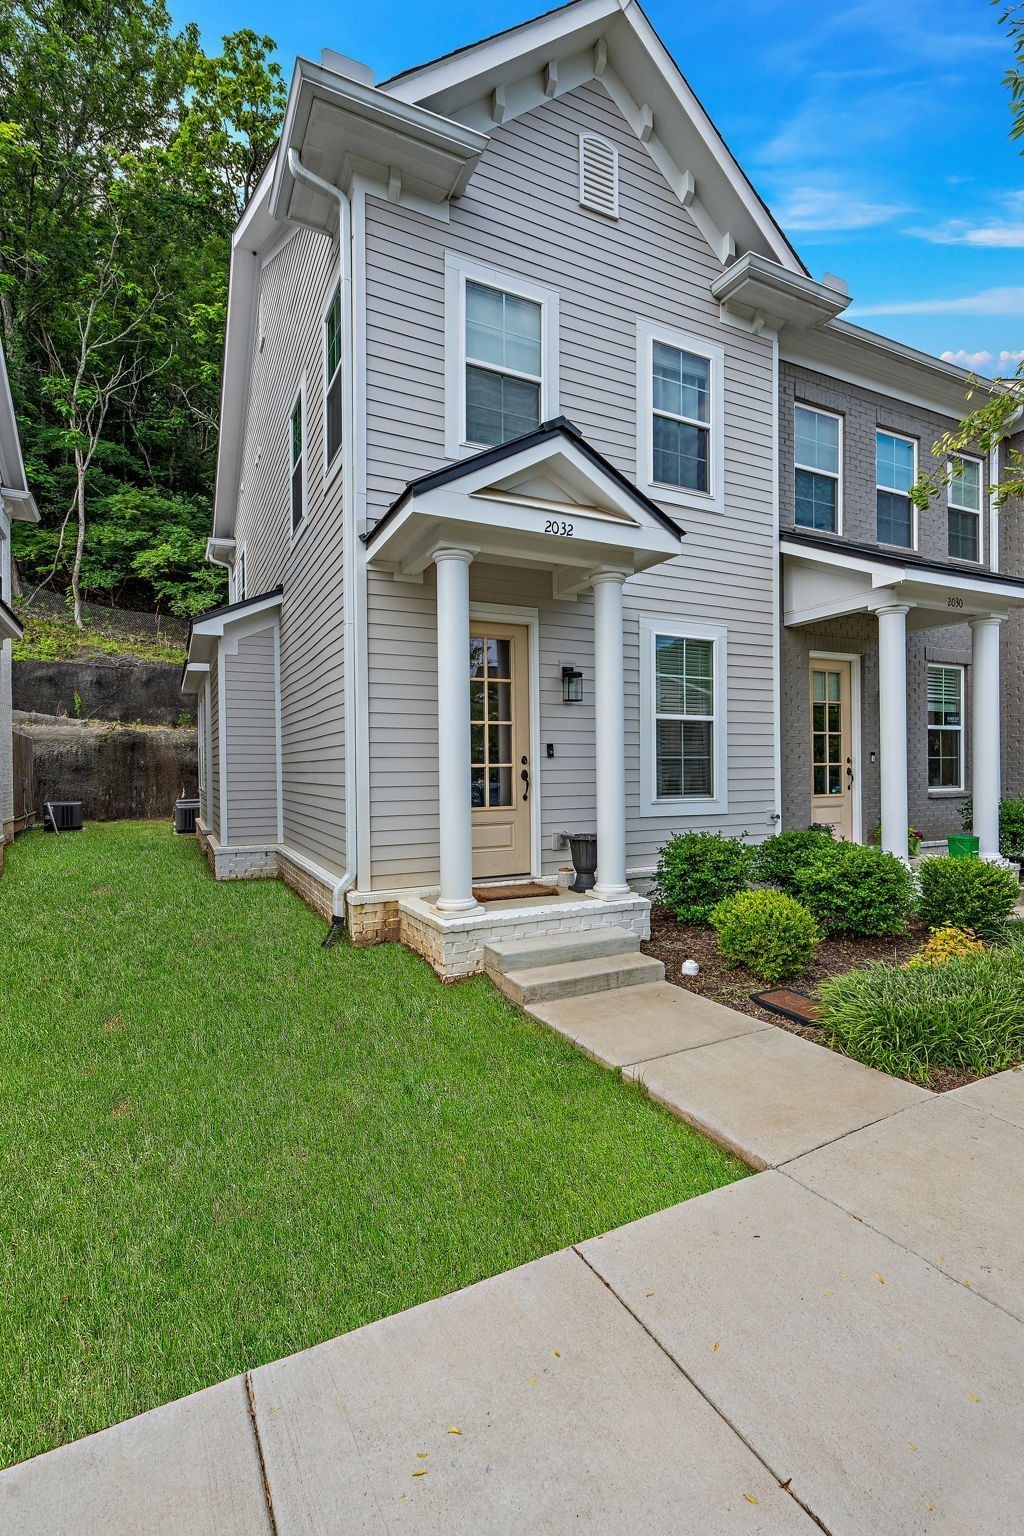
[{"x": 24, "y": 798}]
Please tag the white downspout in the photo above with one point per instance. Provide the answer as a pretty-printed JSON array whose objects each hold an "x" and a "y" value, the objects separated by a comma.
[{"x": 351, "y": 639}]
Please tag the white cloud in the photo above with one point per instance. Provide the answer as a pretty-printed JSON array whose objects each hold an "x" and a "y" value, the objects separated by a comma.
[
  {"x": 985, "y": 361},
  {"x": 989, "y": 301},
  {"x": 1005, "y": 232},
  {"x": 830, "y": 208}
]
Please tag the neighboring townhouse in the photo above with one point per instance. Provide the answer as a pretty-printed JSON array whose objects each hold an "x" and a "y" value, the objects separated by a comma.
[
  {"x": 556, "y": 497},
  {"x": 16, "y": 504}
]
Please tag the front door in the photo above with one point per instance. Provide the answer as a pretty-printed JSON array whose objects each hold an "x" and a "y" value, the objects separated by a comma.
[
  {"x": 832, "y": 765},
  {"x": 499, "y": 709}
]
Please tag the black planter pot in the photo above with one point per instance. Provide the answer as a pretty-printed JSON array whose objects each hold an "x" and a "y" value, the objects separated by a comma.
[{"x": 583, "y": 847}]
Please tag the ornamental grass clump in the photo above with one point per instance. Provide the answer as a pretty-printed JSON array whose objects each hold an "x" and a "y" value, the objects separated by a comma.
[
  {"x": 696, "y": 870},
  {"x": 768, "y": 931},
  {"x": 964, "y": 1016},
  {"x": 850, "y": 888},
  {"x": 967, "y": 892}
]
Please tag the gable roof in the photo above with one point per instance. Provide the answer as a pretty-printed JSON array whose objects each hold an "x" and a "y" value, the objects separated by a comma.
[
  {"x": 558, "y": 427},
  {"x": 612, "y": 40}
]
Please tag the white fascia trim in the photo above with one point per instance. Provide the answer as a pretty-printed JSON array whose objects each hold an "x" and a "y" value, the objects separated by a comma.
[
  {"x": 647, "y": 333},
  {"x": 217, "y": 623},
  {"x": 459, "y": 269},
  {"x": 18, "y": 499},
  {"x": 682, "y": 805},
  {"x": 892, "y": 575}
]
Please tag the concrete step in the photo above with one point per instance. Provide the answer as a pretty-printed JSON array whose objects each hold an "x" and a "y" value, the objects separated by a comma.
[
  {"x": 601, "y": 973},
  {"x": 558, "y": 949}
]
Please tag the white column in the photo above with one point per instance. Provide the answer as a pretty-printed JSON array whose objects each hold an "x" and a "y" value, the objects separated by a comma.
[
  {"x": 892, "y": 722},
  {"x": 985, "y": 774},
  {"x": 455, "y": 807},
  {"x": 609, "y": 737}
]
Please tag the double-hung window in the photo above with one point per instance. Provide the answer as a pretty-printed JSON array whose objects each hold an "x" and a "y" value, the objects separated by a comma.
[
  {"x": 895, "y": 473},
  {"x": 818, "y": 460},
  {"x": 504, "y": 364},
  {"x": 964, "y": 509},
  {"x": 945, "y": 727},
  {"x": 679, "y": 410},
  {"x": 298, "y": 462},
  {"x": 682, "y": 681},
  {"x": 332, "y": 378}
]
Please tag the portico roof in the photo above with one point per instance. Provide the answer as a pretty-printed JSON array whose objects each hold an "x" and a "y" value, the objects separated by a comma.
[
  {"x": 545, "y": 499},
  {"x": 207, "y": 628},
  {"x": 826, "y": 577}
]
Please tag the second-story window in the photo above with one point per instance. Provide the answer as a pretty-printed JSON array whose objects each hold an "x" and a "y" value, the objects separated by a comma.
[
  {"x": 681, "y": 401},
  {"x": 504, "y": 365},
  {"x": 895, "y": 473},
  {"x": 818, "y": 443},
  {"x": 332, "y": 377},
  {"x": 298, "y": 459},
  {"x": 964, "y": 509}
]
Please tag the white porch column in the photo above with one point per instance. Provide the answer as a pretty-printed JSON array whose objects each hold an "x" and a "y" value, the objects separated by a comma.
[
  {"x": 455, "y": 806},
  {"x": 985, "y": 733},
  {"x": 609, "y": 737},
  {"x": 892, "y": 722}
]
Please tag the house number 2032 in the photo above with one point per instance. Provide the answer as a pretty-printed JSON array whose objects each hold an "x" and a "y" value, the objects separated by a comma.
[
  {"x": 954, "y": 602},
  {"x": 564, "y": 530}
]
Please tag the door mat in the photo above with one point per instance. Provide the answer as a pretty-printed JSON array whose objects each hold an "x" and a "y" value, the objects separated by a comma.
[
  {"x": 792, "y": 1005},
  {"x": 513, "y": 892}
]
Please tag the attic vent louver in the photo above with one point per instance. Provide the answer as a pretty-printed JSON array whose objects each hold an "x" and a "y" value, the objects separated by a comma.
[{"x": 599, "y": 175}]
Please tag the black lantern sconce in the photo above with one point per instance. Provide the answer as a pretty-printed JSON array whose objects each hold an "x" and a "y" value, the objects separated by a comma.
[{"x": 572, "y": 686}]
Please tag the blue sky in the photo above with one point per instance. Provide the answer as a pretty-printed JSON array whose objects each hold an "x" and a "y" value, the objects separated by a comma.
[{"x": 875, "y": 129}]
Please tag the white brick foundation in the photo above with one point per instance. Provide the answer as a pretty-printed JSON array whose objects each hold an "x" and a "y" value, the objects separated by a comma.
[{"x": 454, "y": 946}]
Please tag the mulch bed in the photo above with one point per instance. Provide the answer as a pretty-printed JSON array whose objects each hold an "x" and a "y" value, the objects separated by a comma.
[{"x": 732, "y": 985}]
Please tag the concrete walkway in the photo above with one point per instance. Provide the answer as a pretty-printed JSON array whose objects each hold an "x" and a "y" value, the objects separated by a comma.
[{"x": 836, "y": 1343}]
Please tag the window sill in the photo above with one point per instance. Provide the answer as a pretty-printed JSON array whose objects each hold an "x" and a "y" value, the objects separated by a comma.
[
  {"x": 948, "y": 794},
  {"x": 685, "y": 807},
  {"x": 676, "y": 496}
]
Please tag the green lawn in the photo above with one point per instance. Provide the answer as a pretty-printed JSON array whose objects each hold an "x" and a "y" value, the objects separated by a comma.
[{"x": 222, "y": 1143}]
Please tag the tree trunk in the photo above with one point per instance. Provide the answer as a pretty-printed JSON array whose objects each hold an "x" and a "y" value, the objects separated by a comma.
[{"x": 76, "y": 572}]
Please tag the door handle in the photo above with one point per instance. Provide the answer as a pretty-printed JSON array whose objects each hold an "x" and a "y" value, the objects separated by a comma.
[
  {"x": 849, "y": 772},
  {"x": 525, "y": 776}
]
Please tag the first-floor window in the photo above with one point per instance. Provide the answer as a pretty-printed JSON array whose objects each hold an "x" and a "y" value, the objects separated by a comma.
[
  {"x": 297, "y": 459},
  {"x": 945, "y": 727},
  {"x": 684, "y": 715}
]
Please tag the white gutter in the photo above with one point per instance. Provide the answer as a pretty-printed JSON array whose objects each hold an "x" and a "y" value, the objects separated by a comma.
[{"x": 349, "y": 550}]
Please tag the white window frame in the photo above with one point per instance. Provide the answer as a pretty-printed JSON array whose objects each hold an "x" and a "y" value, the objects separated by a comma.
[
  {"x": 238, "y": 572},
  {"x": 893, "y": 490},
  {"x": 956, "y": 506},
  {"x": 459, "y": 270},
  {"x": 818, "y": 410},
  {"x": 948, "y": 666},
  {"x": 332, "y": 466},
  {"x": 299, "y": 398},
  {"x": 713, "y": 499},
  {"x": 651, "y": 804}
]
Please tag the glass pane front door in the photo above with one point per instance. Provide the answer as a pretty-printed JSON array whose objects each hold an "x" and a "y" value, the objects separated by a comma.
[
  {"x": 833, "y": 771},
  {"x": 500, "y": 768}
]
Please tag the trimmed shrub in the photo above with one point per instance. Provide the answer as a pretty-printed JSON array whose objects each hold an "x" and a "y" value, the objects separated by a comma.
[
  {"x": 1011, "y": 825},
  {"x": 945, "y": 944},
  {"x": 853, "y": 889},
  {"x": 767, "y": 930},
  {"x": 777, "y": 858},
  {"x": 696, "y": 870},
  {"x": 967, "y": 1016},
  {"x": 967, "y": 892}
]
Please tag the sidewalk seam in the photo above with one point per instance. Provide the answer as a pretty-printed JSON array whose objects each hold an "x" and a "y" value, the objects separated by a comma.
[
  {"x": 259, "y": 1453},
  {"x": 785, "y": 1486}
]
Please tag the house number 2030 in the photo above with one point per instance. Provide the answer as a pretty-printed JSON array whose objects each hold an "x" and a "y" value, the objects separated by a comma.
[
  {"x": 564, "y": 530},
  {"x": 954, "y": 602}
]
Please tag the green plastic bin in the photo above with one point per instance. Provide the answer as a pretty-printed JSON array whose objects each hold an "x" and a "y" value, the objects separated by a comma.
[{"x": 963, "y": 847}]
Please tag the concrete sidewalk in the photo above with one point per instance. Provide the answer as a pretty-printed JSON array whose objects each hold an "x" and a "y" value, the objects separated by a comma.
[{"x": 833, "y": 1344}]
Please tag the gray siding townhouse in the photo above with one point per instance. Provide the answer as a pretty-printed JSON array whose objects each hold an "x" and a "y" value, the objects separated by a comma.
[
  {"x": 16, "y": 504},
  {"x": 556, "y": 497}
]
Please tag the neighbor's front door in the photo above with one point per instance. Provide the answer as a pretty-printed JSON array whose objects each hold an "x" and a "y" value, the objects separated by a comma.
[
  {"x": 499, "y": 710},
  {"x": 832, "y": 765}
]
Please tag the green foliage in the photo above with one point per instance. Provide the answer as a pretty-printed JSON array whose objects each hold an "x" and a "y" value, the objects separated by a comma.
[
  {"x": 696, "y": 870},
  {"x": 126, "y": 156},
  {"x": 854, "y": 889},
  {"x": 49, "y": 639},
  {"x": 967, "y": 892},
  {"x": 769, "y": 931},
  {"x": 946, "y": 943},
  {"x": 965, "y": 1016},
  {"x": 913, "y": 838},
  {"x": 777, "y": 859},
  {"x": 1011, "y": 824}
]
